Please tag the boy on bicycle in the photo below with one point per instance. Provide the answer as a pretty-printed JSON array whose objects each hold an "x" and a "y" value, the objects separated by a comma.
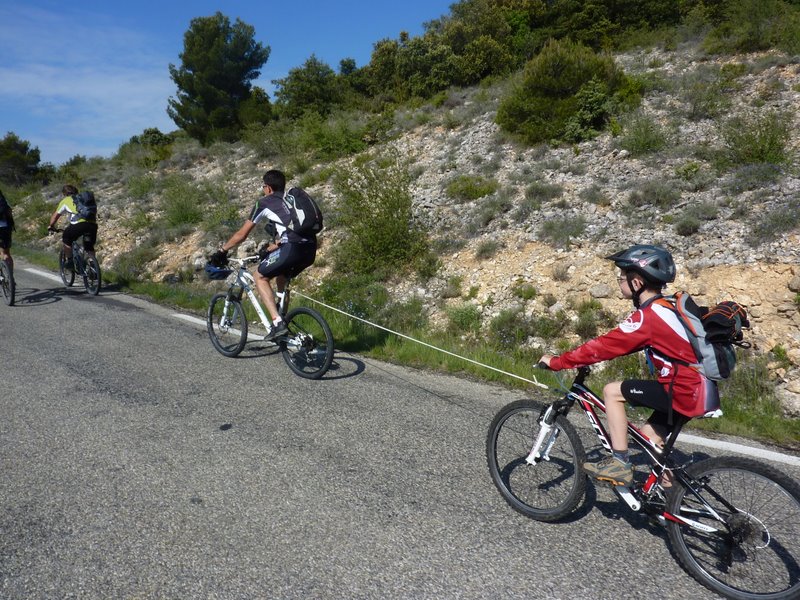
[
  {"x": 77, "y": 227},
  {"x": 285, "y": 258},
  {"x": 6, "y": 227},
  {"x": 644, "y": 272}
]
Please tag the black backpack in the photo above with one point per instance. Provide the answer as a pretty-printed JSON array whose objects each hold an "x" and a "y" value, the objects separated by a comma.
[
  {"x": 304, "y": 211},
  {"x": 5, "y": 211},
  {"x": 86, "y": 205}
]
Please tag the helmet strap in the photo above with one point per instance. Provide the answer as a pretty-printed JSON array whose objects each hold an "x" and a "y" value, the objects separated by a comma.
[{"x": 636, "y": 293}]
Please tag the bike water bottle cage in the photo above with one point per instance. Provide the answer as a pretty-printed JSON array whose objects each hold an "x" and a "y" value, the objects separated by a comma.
[{"x": 217, "y": 273}]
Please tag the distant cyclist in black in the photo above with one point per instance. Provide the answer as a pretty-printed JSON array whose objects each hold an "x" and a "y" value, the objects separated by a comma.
[
  {"x": 6, "y": 227},
  {"x": 285, "y": 257}
]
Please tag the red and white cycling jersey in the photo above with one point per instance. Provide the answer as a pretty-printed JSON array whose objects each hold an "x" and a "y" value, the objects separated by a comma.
[{"x": 656, "y": 328}]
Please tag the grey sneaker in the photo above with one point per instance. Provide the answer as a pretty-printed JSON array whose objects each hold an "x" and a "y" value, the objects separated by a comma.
[
  {"x": 611, "y": 470},
  {"x": 276, "y": 331}
]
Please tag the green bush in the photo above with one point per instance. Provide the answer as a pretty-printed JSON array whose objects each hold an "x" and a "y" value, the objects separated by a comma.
[
  {"x": 487, "y": 249},
  {"x": 756, "y": 25},
  {"x": 687, "y": 225},
  {"x": 757, "y": 139},
  {"x": 773, "y": 223},
  {"x": 464, "y": 318},
  {"x": 656, "y": 192},
  {"x": 375, "y": 214},
  {"x": 465, "y": 188},
  {"x": 510, "y": 329},
  {"x": 595, "y": 195},
  {"x": 643, "y": 135},
  {"x": 559, "y": 231},
  {"x": 566, "y": 91},
  {"x": 540, "y": 192}
]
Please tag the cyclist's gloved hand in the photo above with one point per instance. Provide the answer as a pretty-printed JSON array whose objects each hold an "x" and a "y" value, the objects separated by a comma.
[
  {"x": 51, "y": 230},
  {"x": 219, "y": 258},
  {"x": 262, "y": 253}
]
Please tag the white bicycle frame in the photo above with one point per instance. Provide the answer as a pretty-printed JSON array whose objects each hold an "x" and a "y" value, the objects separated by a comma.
[{"x": 247, "y": 282}]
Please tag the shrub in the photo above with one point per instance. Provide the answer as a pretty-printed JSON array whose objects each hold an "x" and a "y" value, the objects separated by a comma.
[
  {"x": 541, "y": 192},
  {"x": 566, "y": 90},
  {"x": 659, "y": 193},
  {"x": 703, "y": 92},
  {"x": 687, "y": 225},
  {"x": 510, "y": 329},
  {"x": 772, "y": 224},
  {"x": 559, "y": 231},
  {"x": 465, "y": 188},
  {"x": 464, "y": 318},
  {"x": 757, "y": 139},
  {"x": 752, "y": 177},
  {"x": 487, "y": 249},
  {"x": 523, "y": 290},
  {"x": 595, "y": 195},
  {"x": 181, "y": 203},
  {"x": 375, "y": 213},
  {"x": 643, "y": 135},
  {"x": 141, "y": 185},
  {"x": 453, "y": 287}
]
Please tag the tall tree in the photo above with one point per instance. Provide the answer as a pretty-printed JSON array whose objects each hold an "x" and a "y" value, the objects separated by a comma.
[
  {"x": 19, "y": 163},
  {"x": 218, "y": 64},
  {"x": 312, "y": 87}
]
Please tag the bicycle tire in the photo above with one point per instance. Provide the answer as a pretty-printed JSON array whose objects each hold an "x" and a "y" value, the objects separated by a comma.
[
  {"x": 92, "y": 278},
  {"x": 308, "y": 347},
  {"x": 229, "y": 339},
  {"x": 758, "y": 557},
  {"x": 67, "y": 275},
  {"x": 549, "y": 490},
  {"x": 8, "y": 283}
]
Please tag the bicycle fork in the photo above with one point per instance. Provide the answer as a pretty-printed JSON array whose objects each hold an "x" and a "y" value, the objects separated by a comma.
[{"x": 548, "y": 433}]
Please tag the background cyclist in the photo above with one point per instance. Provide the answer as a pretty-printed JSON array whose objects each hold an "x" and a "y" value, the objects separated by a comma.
[
  {"x": 286, "y": 257},
  {"x": 644, "y": 271},
  {"x": 77, "y": 226},
  {"x": 6, "y": 227}
]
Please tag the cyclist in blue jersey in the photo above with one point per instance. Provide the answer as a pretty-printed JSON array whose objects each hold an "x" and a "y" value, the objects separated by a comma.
[{"x": 287, "y": 256}]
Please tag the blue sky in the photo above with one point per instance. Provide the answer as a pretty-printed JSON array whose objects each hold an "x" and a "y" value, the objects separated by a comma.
[{"x": 82, "y": 77}]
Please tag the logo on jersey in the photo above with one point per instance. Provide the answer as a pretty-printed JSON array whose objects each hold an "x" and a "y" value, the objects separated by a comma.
[{"x": 632, "y": 323}]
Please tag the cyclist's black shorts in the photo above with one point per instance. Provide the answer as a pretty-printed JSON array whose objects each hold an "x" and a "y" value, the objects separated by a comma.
[
  {"x": 647, "y": 393},
  {"x": 88, "y": 229},
  {"x": 288, "y": 260},
  {"x": 5, "y": 237}
]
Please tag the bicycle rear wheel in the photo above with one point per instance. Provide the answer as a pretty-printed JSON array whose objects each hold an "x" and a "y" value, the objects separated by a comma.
[
  {"x": 227, "y": 325},
  {"x": 91, "y": 275},
  {"x": 755, "y": 550},
  {"x": 308, "y": 347},
  {"x": 67, "y": 273},
  {"x": 548, "y": 490},
  {"x": 7, "y": 283}
]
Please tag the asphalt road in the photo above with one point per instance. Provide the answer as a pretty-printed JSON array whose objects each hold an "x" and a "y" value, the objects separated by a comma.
[{"x": 137, "y": 462}]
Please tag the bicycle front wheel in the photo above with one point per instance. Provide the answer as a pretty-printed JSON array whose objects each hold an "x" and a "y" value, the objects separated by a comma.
[
  {"x": 67, "y": 273},
  {"x": 754, "y": 550},
  {"x": 549, "y": 489},
  {"x": 308, "y": 347},
  {"x": 7, "y": 283},
  {"x": 91, "y": 275},
  {"x": 227, "y": 325}
]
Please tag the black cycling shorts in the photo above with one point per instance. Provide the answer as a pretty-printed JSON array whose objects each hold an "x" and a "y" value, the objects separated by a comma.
[
  {"x": 87, "y": 229},
  {"x": 647, "y": 393},
  {"x": 5, "y": 237},
  {"x": 288, "y": 259}
]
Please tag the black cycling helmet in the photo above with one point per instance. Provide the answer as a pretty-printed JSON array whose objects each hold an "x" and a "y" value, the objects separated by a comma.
[
  {"x": 651, "y": 262},
  {"x": 215, "y": 272}
]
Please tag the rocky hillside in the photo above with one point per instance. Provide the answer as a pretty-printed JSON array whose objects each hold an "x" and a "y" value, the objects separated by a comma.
[{"x": 556, "y": 212}]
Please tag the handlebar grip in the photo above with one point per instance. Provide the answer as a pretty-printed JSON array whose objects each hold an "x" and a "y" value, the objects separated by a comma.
[{"x": 543, "y": 365}]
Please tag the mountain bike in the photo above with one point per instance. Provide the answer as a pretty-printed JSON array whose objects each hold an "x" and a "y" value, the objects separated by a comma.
[
  {"x": 733, "y": 523},
  {"x": 7, "y": 283},
  {"x": 83, "y": 263},
  {"x": 307, "y": 347}
]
